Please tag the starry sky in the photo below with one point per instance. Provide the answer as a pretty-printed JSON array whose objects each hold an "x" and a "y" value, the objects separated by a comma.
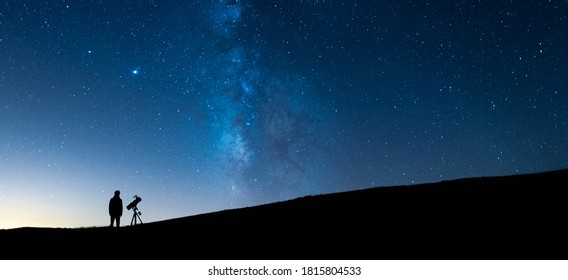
[{"x": 201, "y": 106}]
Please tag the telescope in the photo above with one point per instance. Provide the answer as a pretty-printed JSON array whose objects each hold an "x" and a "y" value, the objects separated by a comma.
[
  {"x": 137, "y": 213},
  {"x": 134, "y": 203}
]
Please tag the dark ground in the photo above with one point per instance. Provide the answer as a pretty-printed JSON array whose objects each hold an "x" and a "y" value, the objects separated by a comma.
[{"x": 514, "y": 217}]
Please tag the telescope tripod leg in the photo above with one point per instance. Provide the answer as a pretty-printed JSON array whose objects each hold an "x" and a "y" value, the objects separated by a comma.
[
  {"x": 138, "y": 216},
  {"x": 135, "y": 218}
]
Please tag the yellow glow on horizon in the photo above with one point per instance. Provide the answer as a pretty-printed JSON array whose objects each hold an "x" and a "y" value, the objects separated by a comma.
[
  {"x": 16, "y": 217},
  {"x": 43, "y": 208}
]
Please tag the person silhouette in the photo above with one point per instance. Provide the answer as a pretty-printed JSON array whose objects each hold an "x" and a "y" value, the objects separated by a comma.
[{"x": 115, "y": 209}]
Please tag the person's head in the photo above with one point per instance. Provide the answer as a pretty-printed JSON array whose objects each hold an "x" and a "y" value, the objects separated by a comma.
[{"x": 116, "y": 193}]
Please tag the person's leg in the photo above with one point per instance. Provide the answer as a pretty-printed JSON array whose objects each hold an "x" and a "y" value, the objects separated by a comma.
[
  {"x": 118, "y": 221},
  {"x": 111, "y": 221}
]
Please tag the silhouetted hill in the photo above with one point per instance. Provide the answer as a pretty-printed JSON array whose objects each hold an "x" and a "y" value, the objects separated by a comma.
[{"x": 510, "y": 217}]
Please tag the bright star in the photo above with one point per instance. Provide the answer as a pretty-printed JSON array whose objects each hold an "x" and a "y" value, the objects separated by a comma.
[{"x": 135, "y": 71}]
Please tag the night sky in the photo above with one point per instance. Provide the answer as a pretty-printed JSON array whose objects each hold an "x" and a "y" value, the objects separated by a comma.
[{"x": 201, "y": 106}]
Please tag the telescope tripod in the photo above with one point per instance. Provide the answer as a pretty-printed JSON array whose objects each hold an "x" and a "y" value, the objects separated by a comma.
[{"x": 136, "y": 216}]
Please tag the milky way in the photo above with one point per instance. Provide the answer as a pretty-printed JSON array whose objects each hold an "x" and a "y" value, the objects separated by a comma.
[{"x": 199, "y": 106}]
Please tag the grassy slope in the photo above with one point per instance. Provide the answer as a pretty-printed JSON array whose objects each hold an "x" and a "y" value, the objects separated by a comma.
[{"x": 514, "y": 217}]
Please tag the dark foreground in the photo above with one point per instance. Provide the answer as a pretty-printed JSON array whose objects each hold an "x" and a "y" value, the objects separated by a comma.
[{"x": 516, "y": 217}]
